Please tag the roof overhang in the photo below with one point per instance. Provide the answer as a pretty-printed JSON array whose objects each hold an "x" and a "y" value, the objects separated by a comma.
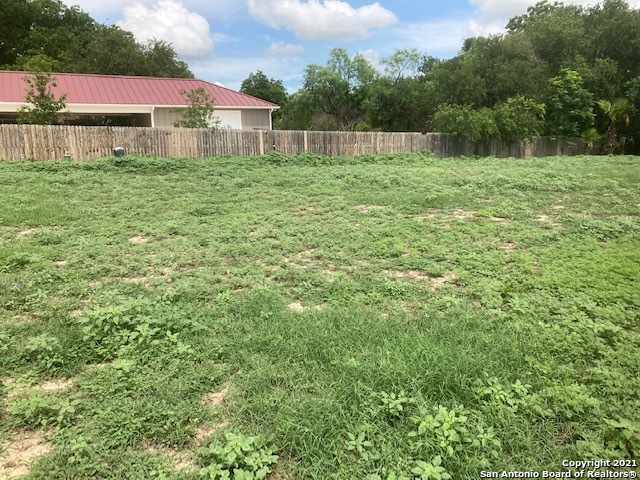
[{"x": 110, "y": 109}]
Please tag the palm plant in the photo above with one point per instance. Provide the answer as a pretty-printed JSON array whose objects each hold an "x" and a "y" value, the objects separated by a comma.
[
  {"x": 591, "y": 138},
  {"x": 616, "y": 111}
]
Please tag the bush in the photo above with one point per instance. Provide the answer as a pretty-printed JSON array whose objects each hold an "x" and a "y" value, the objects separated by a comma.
[{"x": 464, "y": 121}]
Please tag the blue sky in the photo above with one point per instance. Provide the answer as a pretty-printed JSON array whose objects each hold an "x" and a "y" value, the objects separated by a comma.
[{"x": 226, "y": 40}]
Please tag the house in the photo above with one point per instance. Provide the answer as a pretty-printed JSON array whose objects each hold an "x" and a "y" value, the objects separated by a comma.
[{"x": 136, "y": 101}]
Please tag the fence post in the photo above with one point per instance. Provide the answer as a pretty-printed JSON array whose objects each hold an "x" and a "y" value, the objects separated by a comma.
[{"x": 262, "y": 134}]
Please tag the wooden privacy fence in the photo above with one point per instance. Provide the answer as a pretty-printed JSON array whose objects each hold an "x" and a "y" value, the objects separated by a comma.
[{"x": 40, "y": 142}]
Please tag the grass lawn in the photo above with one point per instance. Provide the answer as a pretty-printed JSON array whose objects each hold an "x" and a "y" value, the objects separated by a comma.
[{"x": 380, "y": 317}]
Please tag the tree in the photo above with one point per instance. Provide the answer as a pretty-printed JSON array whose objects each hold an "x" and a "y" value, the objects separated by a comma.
[
  {"x": 259, "y": 86},
  {"x": 570, "y": 105},
  {"x": 161, "y": 60},
  {"x": 199, "y": 113},
  {"x": 47, "y": 33},
  {"x": 340, "y": 88},
  {"x": 632, "y": 131},
  {"x": 519, "y": 118},
  {"x": 45, "y": 109},
  {"x": 464, "y": 121},
  {"x": 403, "y": 63},
  {"x": 298, "y": 113},
  {"x": 616, "y": 111}
]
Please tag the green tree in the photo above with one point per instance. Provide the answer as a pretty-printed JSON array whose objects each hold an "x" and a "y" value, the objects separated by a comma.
[
  {"x": 298, "y": 113},
  {"x": 614, "y": 32},
  {"x": 519, "y": 118},
  {"x": 45, "y": 109},
  {"x": 632, "y": 131},
  {"x": 259, "y": 86},
  {"x": 160, "y": 60},
  {"x": 456, "y": 81},
  {"x": 557, "y": 32},
  {"x": 339, "y": 89},
  {"x": 47, "y": 33},
  {"x": 616, "y": 111},
  {"x": 403, "y": 105},
  {"x": 403, "y": 63},
  {"x": 199, "y": 113},
  {"x": 570, "y": 105},
  {"x": 465, "y": 121}
]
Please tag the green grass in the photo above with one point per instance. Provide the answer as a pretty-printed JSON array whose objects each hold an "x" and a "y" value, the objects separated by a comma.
[{"x": 390, "y": 316}]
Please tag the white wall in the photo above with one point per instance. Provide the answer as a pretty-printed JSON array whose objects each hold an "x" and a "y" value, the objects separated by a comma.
[
  {"x": 229, "y": 118},
  {"x": 164, "y": 117},
  {"x": 256, "y": 119}
]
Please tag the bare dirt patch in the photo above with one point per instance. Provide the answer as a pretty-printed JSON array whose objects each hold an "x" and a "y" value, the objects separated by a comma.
[
  {"x": 138, "y": 240},
  {"x": 61, "y": 263},
  {"x": 136, "y": 280},
  {"x": 501, "y": 220},
  {"x": 26, "y": 232},
  {"x": 558, "y": 207},
  {"x": 206, "y": 430},
  {"x": 296, "y": 307},
  {"x": 23, "y": 319},
  {"x": 304, "y": 211},
  {"x": 330, "y": 273},
  {"x": 414, "y": 275},
  {"x": 78, "y": 312},
  {"x": 509, "y": 247},
  {"x": 47, "y": 386},
  {"x": 432, "y": 214},
  {"x": 52, "y": 385},
  {"x": 460, "y": 214},
  {"x": 181, "y": 459},
  {"x": 433, "y": 283},
  {"x": 543, "y": 218},
  {"x": 18, "y": 454},
  {"x": 305, "y": 259},
  {"x": 438, "y": 282},
  {"x": 370, "y": 208},
  {"x": 214, "y": 399}
]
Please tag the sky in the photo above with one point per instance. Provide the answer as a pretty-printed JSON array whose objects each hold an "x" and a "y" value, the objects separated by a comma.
[{"x": 224, "y": 41}]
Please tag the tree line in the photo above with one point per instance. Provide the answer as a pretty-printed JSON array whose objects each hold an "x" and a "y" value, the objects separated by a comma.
[{"x": 559, "y": 70}]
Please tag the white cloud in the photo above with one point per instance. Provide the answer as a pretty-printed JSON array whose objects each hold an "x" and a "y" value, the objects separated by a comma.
[
  {"x": 322, "y": 19},
  {"x": 373, "y": 56},
  {"x": 475, "y": 29},
  {"x": 498, "y": 12},
  {"x": 283, "y": 49},
  {"x": 439, "y": 38},
  {"x": 110, "y": 10},
  {"x": 492, "y": 10},
  {"x": 171, "y": 21}
]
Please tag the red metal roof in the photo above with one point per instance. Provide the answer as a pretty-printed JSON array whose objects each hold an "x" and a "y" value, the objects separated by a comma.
[{"x": 121, "y": 90}]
